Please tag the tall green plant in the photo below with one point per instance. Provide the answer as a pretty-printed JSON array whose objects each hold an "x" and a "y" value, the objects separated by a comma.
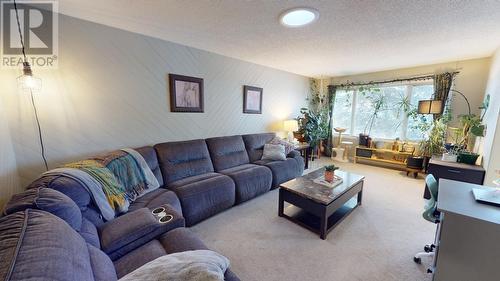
[
  {"x": 313, "y": 125},
  {"x": 314, "y": 120},
  {"x": 434, "y": 143},
  {"x": 472, "y": 124}
]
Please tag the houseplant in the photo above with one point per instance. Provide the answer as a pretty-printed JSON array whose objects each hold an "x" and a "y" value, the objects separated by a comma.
[
  {"x": 433, "y": 144},
  {"x": 471, "y": 127},
  {"x": 330, "y": 172},
  {"x": 313, "y": 126}
]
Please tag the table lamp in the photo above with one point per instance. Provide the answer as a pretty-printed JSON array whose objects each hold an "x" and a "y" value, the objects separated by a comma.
[{"x": 290, "y": 126}]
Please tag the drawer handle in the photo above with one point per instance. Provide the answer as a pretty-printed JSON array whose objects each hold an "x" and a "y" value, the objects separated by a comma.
[{"x": 454, "y": 171}]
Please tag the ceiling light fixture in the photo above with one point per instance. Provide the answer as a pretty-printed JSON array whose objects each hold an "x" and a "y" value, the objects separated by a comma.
[{"x": 298, "y": 17}]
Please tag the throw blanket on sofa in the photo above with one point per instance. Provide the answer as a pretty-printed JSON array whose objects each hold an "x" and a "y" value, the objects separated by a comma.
[
  {"x": 199, "y": 265},
  {"x": 126, "y": 170},
  {"x": 114, "y": 191},
  {"x": 93, "y": 187},
  {"x": 151, "y": 181}
]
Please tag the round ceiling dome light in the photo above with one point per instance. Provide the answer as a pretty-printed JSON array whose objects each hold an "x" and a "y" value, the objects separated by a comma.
[{"x": 298, "y": 17}]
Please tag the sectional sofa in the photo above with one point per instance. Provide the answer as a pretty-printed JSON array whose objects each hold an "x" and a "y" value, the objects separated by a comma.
[{"x": 56, "y": 217}]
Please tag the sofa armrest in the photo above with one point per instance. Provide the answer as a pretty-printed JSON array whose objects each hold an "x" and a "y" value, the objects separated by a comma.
[
  {"x": 293, "y": 154},
  {"x": 134, "y": 229}
]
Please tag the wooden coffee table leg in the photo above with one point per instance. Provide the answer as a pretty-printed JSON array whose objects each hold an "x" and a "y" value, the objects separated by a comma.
[
  {"x": 323, "y": 227},
  {"x": 280, "y": 203},
  {"x": 360, "y": 197}
]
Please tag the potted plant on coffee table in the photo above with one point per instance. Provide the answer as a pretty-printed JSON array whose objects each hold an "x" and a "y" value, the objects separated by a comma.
[{"x": 330, "y": 172}]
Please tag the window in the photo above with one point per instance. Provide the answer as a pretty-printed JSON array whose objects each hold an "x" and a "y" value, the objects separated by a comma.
[
  {"x": 420, "y": 92},
  {"x": 354, "y": 109},
  {"x": 343, "y": 104}
]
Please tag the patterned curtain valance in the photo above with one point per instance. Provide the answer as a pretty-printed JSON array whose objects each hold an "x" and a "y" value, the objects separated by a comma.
[
  {"x": 442, "y": 87},
  {"x": 331, "y": 101}
]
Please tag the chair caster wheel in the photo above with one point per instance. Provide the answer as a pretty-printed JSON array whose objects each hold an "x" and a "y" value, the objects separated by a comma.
[
  {"x": 428, "y": 248},
  {"x": 417, "y": 260},
  {"x": 429, "y": 270}
]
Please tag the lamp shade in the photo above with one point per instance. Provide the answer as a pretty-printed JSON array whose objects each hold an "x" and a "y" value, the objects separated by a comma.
[
  {"x": 27, "y": 82},
  {"x": 430, "y": 107},
  {"x": 291, "y": 125}
]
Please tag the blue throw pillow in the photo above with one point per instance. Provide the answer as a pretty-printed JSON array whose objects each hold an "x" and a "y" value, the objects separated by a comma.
[{"x": 49, "y": 200}]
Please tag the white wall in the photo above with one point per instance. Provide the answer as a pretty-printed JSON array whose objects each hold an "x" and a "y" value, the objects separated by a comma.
[
  {"x": 471, "y": 80},
  {"x": 9, "y": 180},
  {"x": 110, "y": 91},
  {"x": 491, "y": 141}
]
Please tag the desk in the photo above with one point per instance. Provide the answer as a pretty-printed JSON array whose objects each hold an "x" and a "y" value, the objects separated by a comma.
[
  {"x": 454, "y": 171},
  {"x": 468, "y": 241}
]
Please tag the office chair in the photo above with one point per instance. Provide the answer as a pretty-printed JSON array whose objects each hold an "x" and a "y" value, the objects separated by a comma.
[{"x": 431, "y": 214}]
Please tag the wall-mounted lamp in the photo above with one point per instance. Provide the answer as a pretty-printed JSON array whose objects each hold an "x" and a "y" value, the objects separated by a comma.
[{"x": 430, "y": 106}]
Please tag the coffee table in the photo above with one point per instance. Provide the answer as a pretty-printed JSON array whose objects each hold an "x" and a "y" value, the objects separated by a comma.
[{"x": 318, "y": 207}]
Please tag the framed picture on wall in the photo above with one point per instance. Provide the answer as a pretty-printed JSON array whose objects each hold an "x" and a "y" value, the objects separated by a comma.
[
  {"x": 186, "y": 93},
  {"x": 252, "y": 99}
]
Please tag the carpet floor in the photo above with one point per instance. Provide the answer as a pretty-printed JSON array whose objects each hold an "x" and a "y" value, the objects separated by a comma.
[{"x": 375, "y": 242}]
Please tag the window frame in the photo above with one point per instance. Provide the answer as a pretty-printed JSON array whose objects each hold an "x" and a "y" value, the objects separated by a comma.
[{"x": 404, "y": 122}]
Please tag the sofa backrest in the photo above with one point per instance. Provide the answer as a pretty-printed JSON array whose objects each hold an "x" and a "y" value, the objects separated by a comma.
[
  {"x": 37, "y": 245},
  {"x": 74, "y": 190},
  {"x": 58, "y": 204},
  {"x": 78, "y": 193},
  {"x": 227, "y": 152},
  {"x": 254, "y": 144},
  {"x": 149, "y": 154},
  {"x": 183, "y": 159},
  {"x": 49, "y": 200}
]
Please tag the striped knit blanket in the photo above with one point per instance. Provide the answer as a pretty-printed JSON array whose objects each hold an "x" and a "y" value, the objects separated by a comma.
[
  {"x": 119, "y": 174},
  {"x": 126, "y": 170}
]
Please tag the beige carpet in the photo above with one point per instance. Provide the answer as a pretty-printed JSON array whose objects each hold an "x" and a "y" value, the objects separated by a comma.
[{"x": 376, "y": 242}]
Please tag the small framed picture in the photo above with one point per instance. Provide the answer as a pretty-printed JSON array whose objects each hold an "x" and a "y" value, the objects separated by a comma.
[
  {"x": 252, "y": 99},
  {"x": 186, "y": 93}
]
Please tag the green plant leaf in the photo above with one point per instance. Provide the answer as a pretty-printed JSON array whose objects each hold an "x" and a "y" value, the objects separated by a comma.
[{"x": 477, "y": 130}]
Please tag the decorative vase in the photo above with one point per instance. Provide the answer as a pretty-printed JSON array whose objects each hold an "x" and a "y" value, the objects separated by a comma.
[{"x": 329, "y": 175}]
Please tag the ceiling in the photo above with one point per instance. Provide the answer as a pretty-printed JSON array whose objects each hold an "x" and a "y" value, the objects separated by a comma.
[{"x": 350, "y": 37}]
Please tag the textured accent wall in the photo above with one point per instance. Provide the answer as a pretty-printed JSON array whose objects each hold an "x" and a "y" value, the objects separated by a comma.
[
  {"x": 491, "y": 142},
  {"x": 110, "y": 91},
  {"x": 8, "y": 173}
]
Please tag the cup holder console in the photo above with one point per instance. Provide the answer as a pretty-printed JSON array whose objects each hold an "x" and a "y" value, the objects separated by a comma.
[
  {"x": 162, "y": 215},
  {"x": 158, "y": 211},
  {"x": 166, "y": 219}
]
